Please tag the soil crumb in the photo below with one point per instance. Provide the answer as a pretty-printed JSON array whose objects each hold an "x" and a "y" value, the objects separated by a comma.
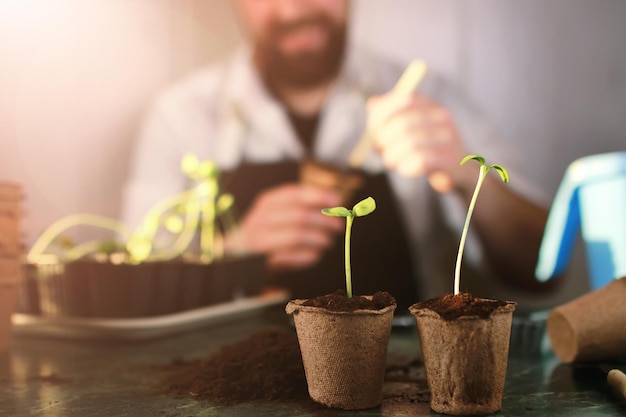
[
  {"x": 266, "y": 366},
  {"x": 338, "y": 301},
  {"x": 451, "y": 307}
]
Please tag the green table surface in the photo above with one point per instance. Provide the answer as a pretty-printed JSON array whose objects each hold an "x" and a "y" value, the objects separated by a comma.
[{"x": 52, "y": 377}]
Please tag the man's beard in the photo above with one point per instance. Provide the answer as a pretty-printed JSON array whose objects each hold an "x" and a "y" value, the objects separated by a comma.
[{"x": 304, "y": 69}]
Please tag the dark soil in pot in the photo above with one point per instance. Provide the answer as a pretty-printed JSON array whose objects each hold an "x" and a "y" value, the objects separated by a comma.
[
  {"x": 451, "y": 307},
  {"x": 338, "y": 301}
]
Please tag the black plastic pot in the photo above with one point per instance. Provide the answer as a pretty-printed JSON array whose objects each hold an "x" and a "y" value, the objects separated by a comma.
[{"x": 88, "y": 288}]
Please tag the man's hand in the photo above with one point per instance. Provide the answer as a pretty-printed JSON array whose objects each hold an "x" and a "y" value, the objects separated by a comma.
[
  {"x": 286, "y": 223},
  {"x": 416, "y": 136}
]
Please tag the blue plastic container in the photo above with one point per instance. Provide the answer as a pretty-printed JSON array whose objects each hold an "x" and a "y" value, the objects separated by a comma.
[{"x": 591, "y": 199}]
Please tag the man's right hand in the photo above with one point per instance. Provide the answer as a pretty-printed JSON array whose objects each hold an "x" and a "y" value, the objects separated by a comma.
[{"x": 287, "y": 225}]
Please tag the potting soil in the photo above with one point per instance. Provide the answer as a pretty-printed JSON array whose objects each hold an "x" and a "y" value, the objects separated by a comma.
[
  {"x": 338, "y": 301},
  {"x": 266, "y": 366},
  {"x": 451, "y": 307}
]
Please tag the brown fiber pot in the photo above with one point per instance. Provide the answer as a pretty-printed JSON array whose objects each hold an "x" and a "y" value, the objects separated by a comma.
[
  {"x": 591, "y": 327},
  {"x": 465, "y": 359},
  {"x": 343, "y": 353}
]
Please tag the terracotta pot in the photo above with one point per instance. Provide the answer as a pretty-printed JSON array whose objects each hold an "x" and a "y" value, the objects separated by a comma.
[
  {"x": 343, "y": 353},
  {"x": 465, "y": 359},
  {"x": 590, "y": 327},
  {"x": 8, "y": 295},
  {"x": 11, "y": 197},
  {"x": 10, "y": 276}
]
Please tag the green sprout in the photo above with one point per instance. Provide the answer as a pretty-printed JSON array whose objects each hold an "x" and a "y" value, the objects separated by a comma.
[
  {"x": 484, "y": 169},
  {"x": 180, "y": 214},
  {"x": 362, "y": 208}
]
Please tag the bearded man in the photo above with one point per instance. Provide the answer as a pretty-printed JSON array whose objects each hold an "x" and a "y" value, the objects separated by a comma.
[{"x": 301, "y": 89}]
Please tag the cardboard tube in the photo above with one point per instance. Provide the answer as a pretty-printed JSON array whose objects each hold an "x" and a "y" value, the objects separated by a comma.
[{"x": 591, "y": 327}]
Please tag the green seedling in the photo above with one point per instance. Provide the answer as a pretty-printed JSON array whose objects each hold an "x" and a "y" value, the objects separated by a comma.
[
  {"x": 360, "y": 209},
  {"x": 180, "y": 214},
  {"x": 484, "y": 169}
]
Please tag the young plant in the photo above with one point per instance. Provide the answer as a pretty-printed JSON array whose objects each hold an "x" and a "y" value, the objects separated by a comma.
[
  {"x": 360, "y": 209},
  {"x": 484, "y": 169},
  {"x": 179, "y": 214}
]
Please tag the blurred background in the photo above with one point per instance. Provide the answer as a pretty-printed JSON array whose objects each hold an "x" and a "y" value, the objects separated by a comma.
[{"x": 76, "y": 76}]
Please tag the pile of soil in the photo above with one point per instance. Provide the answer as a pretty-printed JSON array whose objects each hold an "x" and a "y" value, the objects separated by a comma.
[
  {"x": 339, "y": 301},
  {"x": 266, "y": 366},
  {"x": 450, "y": 307}
]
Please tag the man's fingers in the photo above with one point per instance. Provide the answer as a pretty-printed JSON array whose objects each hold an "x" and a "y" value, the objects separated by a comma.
[
  {"x": 294, "y": 259},
  {"x": 300, "y": 194},
  {"x": 292, "y": 237}
]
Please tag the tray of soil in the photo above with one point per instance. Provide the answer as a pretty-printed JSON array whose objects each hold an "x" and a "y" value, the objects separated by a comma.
[
  {"x": 145, "y": 328},
  {"x": 465, "y": 344},
  {"x": 88, "y": 288}
]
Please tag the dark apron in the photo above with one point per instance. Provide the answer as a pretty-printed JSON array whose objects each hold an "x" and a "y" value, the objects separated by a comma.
[{"x": 380, "y": 256}]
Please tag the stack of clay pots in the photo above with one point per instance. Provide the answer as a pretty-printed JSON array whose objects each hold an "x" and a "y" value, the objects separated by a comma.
[{"x": 10, "y": 255}]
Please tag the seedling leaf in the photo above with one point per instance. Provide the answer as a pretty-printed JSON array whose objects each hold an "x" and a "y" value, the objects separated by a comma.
[
  {"x": 337, "y": 212},
  {"x": 504, "y": 174},
  {"x": 174, "y": 224},
  {"x": 224, "y": 203},
  {"x": 364, "y": 207},
  {"x": 478, "y": 158},
  {"x": 189, "y": 164}
]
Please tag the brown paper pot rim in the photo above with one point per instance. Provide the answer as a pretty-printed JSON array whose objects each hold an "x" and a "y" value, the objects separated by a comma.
[
  {"x": 296, "y": 305},
  {"x": 589, "y": 327},
  {"x": 420, "y": 311}
]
